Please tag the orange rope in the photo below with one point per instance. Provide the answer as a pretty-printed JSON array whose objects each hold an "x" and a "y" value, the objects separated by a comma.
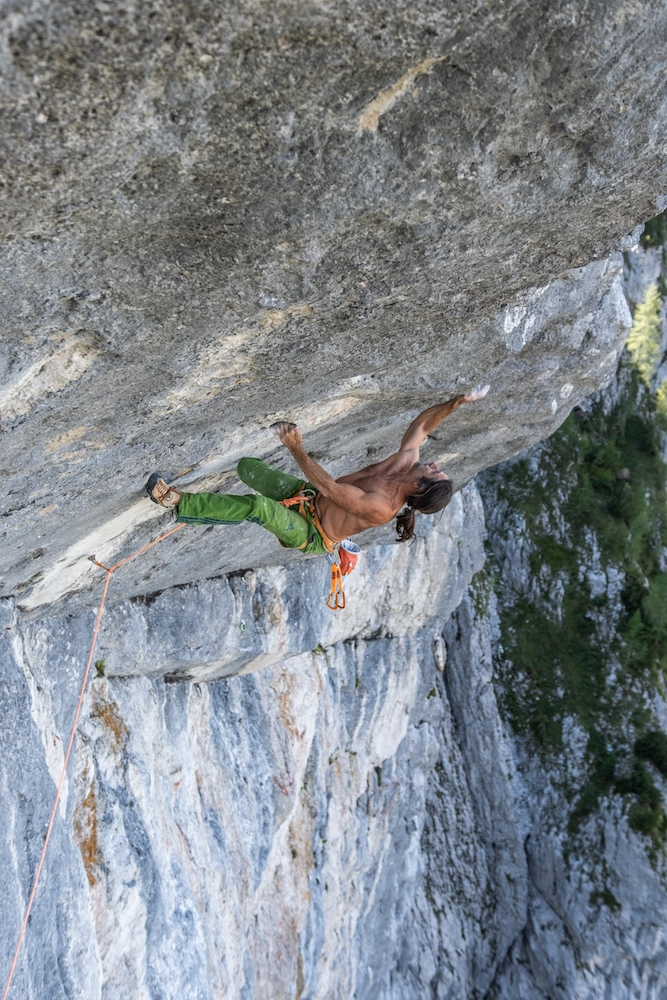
[{"x": 109, "y": 571}]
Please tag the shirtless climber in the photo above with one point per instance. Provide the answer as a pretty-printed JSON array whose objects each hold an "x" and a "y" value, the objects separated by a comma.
[{"x": 316, "y": 513}]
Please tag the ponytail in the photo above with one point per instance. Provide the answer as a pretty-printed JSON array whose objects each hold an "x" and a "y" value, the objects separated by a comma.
[
  {"x": 434, "y": 496},
  {"x": 405, "y": 524}
]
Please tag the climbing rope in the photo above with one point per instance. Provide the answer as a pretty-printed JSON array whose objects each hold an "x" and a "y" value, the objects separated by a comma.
[{"x": 109, "y": 571}]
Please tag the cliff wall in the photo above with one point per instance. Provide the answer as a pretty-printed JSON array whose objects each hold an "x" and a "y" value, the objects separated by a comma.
[
  {"x": 257, "y": 835},
  {"x": 268, "y": 799},
  {"x": 215, "y": 217}
]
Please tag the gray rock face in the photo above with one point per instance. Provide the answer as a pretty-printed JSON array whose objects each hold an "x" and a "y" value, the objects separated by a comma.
[
  {"x": 251, "y": 835},
  {"x": 348, "y": 820},
  {"x": 213, "y": 218},
  {"x": 234, "y": 624},
  {"x": 564, "y": 339},
  {"x": 564, "y": 940},
  {"x": 217, "y": 216},
  {"x": 597, "y": 888}
]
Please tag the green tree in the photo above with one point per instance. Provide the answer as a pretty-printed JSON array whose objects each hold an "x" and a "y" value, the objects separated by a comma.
[{"x": 644, "y": 341}]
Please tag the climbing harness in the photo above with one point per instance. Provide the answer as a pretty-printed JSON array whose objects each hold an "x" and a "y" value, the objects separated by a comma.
[
  {"x": 109, "y": 571},
  {"x": 342, "y": 555}
]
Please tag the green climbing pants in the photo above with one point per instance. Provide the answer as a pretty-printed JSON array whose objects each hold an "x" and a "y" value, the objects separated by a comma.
[{"x": 293, "y": 530}]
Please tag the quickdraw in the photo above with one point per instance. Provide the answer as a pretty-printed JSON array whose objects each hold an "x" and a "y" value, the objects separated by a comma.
[{"x": 336, "y": 600}]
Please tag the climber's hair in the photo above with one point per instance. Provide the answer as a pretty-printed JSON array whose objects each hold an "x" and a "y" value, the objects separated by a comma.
[{"x": 432, "y": 497}]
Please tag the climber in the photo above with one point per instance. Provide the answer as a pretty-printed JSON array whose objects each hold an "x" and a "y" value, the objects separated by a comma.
[{"x": 316, "y": 514}]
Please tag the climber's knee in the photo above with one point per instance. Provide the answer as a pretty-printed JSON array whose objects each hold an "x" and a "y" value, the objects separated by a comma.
[{"x": 247, "y": 468}]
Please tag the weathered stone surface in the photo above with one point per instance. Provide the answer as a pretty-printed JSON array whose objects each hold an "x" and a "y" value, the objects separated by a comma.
[
  {"x": 564, "y": 339},
  {"x": 216, "y": 215},
  {"x": 597, "y": 888},
  {"x": 254, "y": 834},
  {"x": 567, "y": 938},
  {"x": 235, "y": 624},
  {"x": 348, "y": 819}
]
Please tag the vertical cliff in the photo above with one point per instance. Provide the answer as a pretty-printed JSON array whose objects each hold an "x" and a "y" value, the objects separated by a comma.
[
  {"x": 257, "y": 835},
  {"x": 217, "y": 215},
  {"x": 577, "y": 535},
  {"x": 394, "y": 800}
]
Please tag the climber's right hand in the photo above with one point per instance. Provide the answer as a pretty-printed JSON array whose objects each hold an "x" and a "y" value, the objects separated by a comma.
[
  {"x": 289, "y": 433},
  {"x": 477, "y": 393}
]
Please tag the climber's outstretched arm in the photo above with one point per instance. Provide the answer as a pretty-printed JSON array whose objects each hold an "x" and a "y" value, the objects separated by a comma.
[
  {"x": 427, "y": 421},
  {"x": 373, "y": 507}
]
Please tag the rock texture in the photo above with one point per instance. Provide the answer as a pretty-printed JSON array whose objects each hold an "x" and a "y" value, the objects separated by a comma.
[
  {"x": 345, "y": 821},
  {"x": 353, "y": 819},
  {"x": 249, "y": 836},
  {"x": 216, "y": 214},
  {"x": 221, "y": 214},
  {"x": 595, "y": 908},
  {"x": 597, "y": 889},
  {"x": 586, "y": 924}
]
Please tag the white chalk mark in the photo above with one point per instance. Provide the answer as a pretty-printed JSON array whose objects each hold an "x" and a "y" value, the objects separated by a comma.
[
  {"x": 64, "y": 362},
  {"x": 73, "y": 570}
]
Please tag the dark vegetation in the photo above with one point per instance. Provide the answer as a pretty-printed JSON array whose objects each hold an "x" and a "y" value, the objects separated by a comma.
[
  {"x": 655, "y": 235},
  {"x": 652, "y": 746},
  {"x": 655, "y": 232},
  {"x": 580, "y": 650}
]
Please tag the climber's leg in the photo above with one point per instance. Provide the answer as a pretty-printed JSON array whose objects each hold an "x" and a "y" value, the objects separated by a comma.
[
  {"x": 294, "y": 531},
  {"x": 267, "y": 481}
]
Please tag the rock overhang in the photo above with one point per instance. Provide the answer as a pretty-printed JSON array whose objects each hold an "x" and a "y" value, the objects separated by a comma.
[{"x": 215, "y": 218}]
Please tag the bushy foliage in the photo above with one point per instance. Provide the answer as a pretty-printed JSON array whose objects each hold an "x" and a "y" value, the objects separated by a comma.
[
  {"x": 643, "y": 344},
  {"x": 655, "y": 232},
  {"x": 652, "y": 746},
  {"x": 646, "y": 813},
  {"x": 602, "y": 476}
]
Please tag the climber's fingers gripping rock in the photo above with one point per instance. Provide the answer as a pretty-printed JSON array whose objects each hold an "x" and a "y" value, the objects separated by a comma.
[
  {"x": 477, "y": 393},
  {"x": 289, "y": 433}
]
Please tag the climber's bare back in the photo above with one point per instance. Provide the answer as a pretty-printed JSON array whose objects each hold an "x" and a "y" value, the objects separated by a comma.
[{"x": 375, "y": 494}]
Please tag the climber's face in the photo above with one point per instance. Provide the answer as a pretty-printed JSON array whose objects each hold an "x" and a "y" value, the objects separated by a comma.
[{"x": 428, "y": 470}]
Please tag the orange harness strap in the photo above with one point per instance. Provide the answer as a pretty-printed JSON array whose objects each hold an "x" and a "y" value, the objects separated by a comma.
[
  {"x": 303, "y": 501},
  {"x": 328, "y": 543},
  {"x": 336, "y": 599}
]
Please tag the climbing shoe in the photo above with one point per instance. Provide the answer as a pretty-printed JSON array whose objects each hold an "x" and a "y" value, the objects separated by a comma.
[{"x": 160, "y": 493}]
